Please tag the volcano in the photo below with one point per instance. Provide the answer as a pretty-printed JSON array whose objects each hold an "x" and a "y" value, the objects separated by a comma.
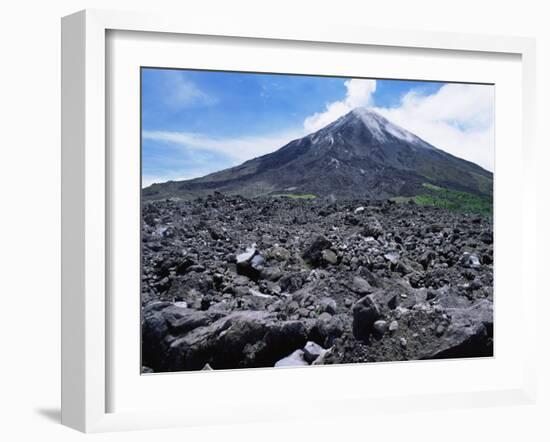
[{"x": 360, "y": 155}]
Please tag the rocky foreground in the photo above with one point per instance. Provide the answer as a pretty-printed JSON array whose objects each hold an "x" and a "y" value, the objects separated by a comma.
[{"x": 229, "y": 282}]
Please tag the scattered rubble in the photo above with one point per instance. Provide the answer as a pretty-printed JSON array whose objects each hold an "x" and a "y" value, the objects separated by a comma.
[{"x": 229, "y": 282}]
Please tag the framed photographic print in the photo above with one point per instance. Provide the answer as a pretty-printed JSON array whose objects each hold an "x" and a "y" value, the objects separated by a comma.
[{"x": 250, "y": 210}]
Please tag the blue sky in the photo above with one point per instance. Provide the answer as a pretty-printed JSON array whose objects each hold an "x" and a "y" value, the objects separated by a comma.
[{"x": 197, "y": 122}]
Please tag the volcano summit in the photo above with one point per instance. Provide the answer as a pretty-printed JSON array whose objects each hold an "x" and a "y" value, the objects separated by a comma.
[{"x": 360, "y": 155}]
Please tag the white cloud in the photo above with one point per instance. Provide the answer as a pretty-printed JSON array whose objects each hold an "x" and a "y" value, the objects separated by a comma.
[
  {"x": 358, "y": 93},
  {"x": 458, "y": 118},
  {"x": 238, "y": 149}
]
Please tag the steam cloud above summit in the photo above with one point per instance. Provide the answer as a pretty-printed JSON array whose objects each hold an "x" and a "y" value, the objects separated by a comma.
[
  {"x": 359, "y": 94},
  {"x": 459, "y": 118}
]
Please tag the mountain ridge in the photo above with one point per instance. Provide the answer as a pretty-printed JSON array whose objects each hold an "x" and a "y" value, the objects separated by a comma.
[{"x": 360, "y": 155}]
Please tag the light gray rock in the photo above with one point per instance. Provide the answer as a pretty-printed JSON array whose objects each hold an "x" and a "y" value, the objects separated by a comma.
[
  {"x": 470, "y": 260},
  {"x": 258, "y": 294},
  {"x": 394, "y": 326},
  {"x": 247, "y": 255},
  {"x": 312, "y": 351},
  {"x": 329, "y": 257},
  {"x": 257, "y": 262},
  {"x": 295, "y": 359},
  {"x": 361, "y": 286},
  {"x": 322, "y": 358},
  {"x": 392, "y": 257}
]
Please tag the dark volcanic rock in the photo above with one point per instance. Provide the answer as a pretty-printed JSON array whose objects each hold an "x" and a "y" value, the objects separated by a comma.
[
  {"x": 313, "y": 254},
  {"x": 238, "y": 339},
  {"x": 154, "y": 331},
  {"x": 221, "y": 344},
  {"x": 365, "y": 314},
  {"x": 327, "y": 329},
  {"x": 282, "y": 338},
  {"x": 312, "y": 351},
  {"x": 229, "y": 282}
]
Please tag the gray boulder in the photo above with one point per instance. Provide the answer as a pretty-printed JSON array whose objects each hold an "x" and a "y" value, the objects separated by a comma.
[
  {"x": 361, "y": 286},
  {"x": 469, "y": 333},
  {"x": 328, "y": 257}
]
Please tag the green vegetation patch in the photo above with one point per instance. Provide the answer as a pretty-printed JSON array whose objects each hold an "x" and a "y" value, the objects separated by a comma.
[
  {"x": 306, "y": 196},
  {"x": 451, "y": 200}
]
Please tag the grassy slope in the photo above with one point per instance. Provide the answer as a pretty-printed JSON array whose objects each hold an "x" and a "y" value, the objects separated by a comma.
[{"x": 451, "y": 200}]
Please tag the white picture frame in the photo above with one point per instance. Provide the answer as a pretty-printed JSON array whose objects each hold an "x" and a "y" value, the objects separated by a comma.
[{"x": 85, "y": 210}]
